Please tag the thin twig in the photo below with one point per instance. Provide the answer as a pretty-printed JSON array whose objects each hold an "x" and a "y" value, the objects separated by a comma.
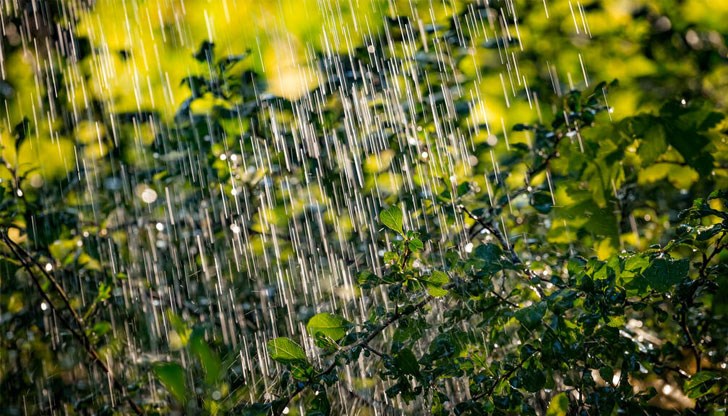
[
  {"x": 79, "y": 334},
  {"x": 361, "y": 343},
  {"x": 503, "y": 377},
  {"x": 507, "y": 247}
]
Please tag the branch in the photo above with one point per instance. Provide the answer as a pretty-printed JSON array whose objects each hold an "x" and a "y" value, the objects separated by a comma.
[
  {"x": 364, "y": 342},
  {"x": 79, "y": 334},
  {"x": 508, "y": 248},
  {"x": 503, "y": 377}
]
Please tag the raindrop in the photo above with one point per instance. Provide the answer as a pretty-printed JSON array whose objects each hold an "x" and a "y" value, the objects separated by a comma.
[{"x": 149, "y": 195}]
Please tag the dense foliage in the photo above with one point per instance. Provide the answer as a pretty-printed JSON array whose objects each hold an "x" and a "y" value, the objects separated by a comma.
[{"x": 376, "y": 244}]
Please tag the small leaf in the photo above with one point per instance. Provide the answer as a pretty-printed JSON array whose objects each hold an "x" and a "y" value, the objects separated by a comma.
[
  {"x": 206, "y": 52},
  {"x": 319, "y": 406},
  {"x": 330, "y": 325},
  {"x": 21, "y": 132},
  {"x": 285, "y": 351},
  {"x": 172, "y": 376},
  {"x": 542, "y": 202},
  {"x": 392, "y": 219},
  {"x": 415, "y": 244}
]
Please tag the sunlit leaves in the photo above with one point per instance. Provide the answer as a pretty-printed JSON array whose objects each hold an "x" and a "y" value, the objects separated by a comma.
[
  {"x": 559, "y": 405},
  {"x": 703, "y": 382}
]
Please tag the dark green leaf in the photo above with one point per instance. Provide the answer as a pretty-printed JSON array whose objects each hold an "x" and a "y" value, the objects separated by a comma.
[
  {"x": 663, "y": 274},
  {"x": 406, "y": 362},
  {"x": 530, "y": 317}
]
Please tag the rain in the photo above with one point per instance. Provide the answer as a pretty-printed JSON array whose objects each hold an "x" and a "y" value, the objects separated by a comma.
[{"x": 197, "y": 177}]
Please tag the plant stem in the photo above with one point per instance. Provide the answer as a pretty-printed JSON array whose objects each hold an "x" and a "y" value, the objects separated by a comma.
[
  {"x": 79, "y": 334},
  {"x": 361, "y": 343}
]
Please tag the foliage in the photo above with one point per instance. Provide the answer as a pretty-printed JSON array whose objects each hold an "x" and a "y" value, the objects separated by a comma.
[{"x": 375, "y": 242}]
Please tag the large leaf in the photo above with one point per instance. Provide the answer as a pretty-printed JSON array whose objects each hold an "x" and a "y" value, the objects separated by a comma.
[
  {"x": 392, "y": 219},
  {"x": 330, "y": 325},
  {"x": 663, "y": 274},
  {"x": 172, "y": 376},
  {"x": 285, "y": 351}
]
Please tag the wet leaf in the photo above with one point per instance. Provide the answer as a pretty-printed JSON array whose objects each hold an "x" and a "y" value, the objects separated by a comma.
[
  {"x": 699, "y": 384},
  {"x": 392, "y": 219},
  {"x": 330, "y": 325},
  {"x": 415, "y": 244},
  {"x": 406, "y": 362},
  {"x": 285, "y": 351},
  {"x": 530, "y": 317}
]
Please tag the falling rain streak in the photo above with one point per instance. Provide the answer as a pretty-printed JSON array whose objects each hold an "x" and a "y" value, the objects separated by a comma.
[{"x": 234, "y": 206}]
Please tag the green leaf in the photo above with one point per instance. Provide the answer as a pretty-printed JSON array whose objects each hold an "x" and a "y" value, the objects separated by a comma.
[
  {"x": 532, "y": 379},
  {"x": 208, "y": 359},
  {"x": 172, "y": 377},
  {"x": 392, "y": 219},
  {"x": 530, "y": 317},
  {"x": 559, "y": 405},
  {"x": 663, "y": 274},
  {"x": 653, "y": 144},
  {"x": 406, "y": 362},
  {"x": 542, "y": 202},
  {"x": 700, "y": 384},
  {"x": 488, "y": 252},
  {"x": 285, "y": 351},
  {"x": 435, "y": 283},
  {"x": 330, "y": 325},
  {"x": 415, "y": 244},
  {"x": 319, "y": 406}
]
